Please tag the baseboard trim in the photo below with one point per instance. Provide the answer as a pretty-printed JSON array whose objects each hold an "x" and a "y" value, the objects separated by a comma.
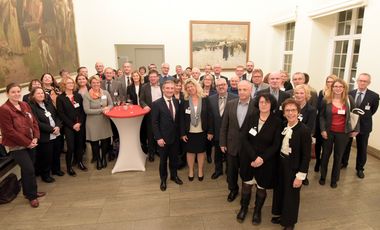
[{"x": 373, "y": 152}]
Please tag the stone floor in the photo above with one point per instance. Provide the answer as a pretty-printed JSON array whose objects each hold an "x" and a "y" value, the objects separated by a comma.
[{"x": 133, "y": 200}]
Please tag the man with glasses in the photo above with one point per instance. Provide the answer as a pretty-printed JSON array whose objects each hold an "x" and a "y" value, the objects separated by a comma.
[{"x": 257, "y": 81}]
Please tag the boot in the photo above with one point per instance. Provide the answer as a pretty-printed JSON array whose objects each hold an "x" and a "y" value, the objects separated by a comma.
[
  {"x": 98, "y": 164},
  {"x": 244, "y": 202},
  {"x": 261, "y": 194},
  {"x": 104, "y": 160}
]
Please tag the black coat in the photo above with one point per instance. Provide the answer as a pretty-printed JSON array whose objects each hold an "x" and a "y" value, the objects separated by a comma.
[
  {"x": 265, "y": 144},
  {"x": 308, "y": 117},
  {"x": 206, "y": 118},
  {"x": 43, "y": 121},
  {"x": 131, "y": 93},
  {"x": 370, "y": 99},
  {"x": 68, "y": 113}
]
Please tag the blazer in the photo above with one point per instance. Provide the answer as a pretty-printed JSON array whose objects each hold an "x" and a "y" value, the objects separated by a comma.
[
  {"x": 214, "y": 108},
  {"x": 124, "y": 84},
  {"x": 163, "y": 125},
  {"x": 308, "y": 116},
  {"x": 300, "y": 144},
  {"x": 326, "y": 117},
  {"x": 370, "y": 99},
  {"x": 146, "y": 95},
  {"x": 230, "y": 132},
  {"x": 206, "y": 118},
  {"x": 116, "y": 87},
  {"x": 265, "y": 144},
  {"x": 162, "y": 79},
  {"x": 16, "y": 125},
  {"x": 43, "y": 121},
  {"x": 262, "y": 86},
  {"x": 68, "y": 113},
  {"x": 131, "y": 93}
]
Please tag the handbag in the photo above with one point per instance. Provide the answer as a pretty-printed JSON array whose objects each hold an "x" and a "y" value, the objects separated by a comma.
[{"x": 354, "y": 115}]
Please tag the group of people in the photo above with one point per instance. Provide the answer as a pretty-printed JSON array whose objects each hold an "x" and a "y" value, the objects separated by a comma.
[{"x": 262, "y": 127}]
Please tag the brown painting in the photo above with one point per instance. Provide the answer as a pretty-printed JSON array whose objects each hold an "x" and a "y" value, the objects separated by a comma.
[{"x": 36, "y": 36}]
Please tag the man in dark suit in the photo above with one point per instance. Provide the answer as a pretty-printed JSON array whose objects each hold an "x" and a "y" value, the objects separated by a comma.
[
  {"x": 217, "y": 104},
  {"x": 235, "y": 123},
  {"x": 178, "y": 71},
  {"x": 257, "y": 81},
  {"x": 99, "y": 67},
  {"x": 248, "y": 68},
  {"x": 368, "y": 101},
  {"x": 165, "y": 67},
  {"x": 150, "y": 92},
  {"x": 299, "y": 78},
  {"x": 274, "y": 80},
  {"x": 208, "y": 70},
  {"x": 218, "y": 73},
  {"x": 150, "y": 67},
  {"x": 239, "y": 71},
  {"x": 126, "y": 79},
  {"x": 165, "y": 123}
]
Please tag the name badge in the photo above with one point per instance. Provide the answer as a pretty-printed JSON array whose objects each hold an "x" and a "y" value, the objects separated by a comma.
[
  {"x": 47, "y": 114},
  {"x": 115, "y": 94},
  {"x": 341, "y": 111},
  {"x": 280, "y": 108},
  {"x": 253, "y": 132},
  {"x": 76, "y": 105},
  {"x": 104, "y": 97},
  {"x": 367, "y": 107},
  {"x": 300, "y": 117},
  {"x": 188, "y": 111}
]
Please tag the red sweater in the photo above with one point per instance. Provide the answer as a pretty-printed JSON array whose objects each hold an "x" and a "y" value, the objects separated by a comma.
[
  {"x": 338, "y": 121},
  {"x": 18, "y": 128}
]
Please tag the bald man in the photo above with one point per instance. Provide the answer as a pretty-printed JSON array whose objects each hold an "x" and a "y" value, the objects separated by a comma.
[{"x": 99, "y": 67}]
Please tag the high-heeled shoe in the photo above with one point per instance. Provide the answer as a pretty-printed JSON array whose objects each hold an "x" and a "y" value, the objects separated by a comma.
[
  {"x": 191, "y": 178},
  {"x": 200, "y": 178}
]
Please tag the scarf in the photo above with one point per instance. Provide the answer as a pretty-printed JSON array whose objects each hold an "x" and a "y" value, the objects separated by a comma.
[
  {"x": 95, "y": 95},
  {"x": 195, "y": 115}
]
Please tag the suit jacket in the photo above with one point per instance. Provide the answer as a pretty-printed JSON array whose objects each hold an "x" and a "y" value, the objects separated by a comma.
[
  {"x": 131, "y": 93},
  {"x": 308, "y": 116},
  {"x": 68, "y": 113},
  {"x": 214, "y": 108},
  {"x": 206, "y": 118},
  {"x": 326, "y": 117},
  {"x": 163, "y": 124},
  {"x": 124, "y": 83},
  {"x": 146, "y": 95},
  {"x": 370, "y": 99},
  {"x": 282, "y": 96},
  {"x": 300, "y": 144},
  {"x": 230, "y": 132},
  {"x": 43, "y": 121},
  {"x": 162, "y": 79},
  {"x": 244, "y": 77},
  {"x": 116, "y": 88},
  {"x": 262, "y": 86}
]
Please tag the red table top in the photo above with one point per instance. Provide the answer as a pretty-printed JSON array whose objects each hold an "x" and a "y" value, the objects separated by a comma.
[{"x": 131, "y": 111}]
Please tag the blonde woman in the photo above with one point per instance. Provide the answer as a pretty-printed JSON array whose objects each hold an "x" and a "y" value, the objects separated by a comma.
[
  {"x": 335, "y": 128},
  {"x": 196, "y": 126}
]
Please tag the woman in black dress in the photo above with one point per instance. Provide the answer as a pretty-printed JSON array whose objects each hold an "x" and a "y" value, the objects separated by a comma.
[
  {"x": 195, "y": 126},
  {"x": 257, "y": 160}
]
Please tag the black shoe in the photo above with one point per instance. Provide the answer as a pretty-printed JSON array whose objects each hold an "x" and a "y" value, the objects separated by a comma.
[
  {"x": 200, "y": 178},
  {"x": 333, "y": 185},
  {"x": 276, "y": 220},
  {"x": 322, "y": 181},
  {"x": 289, "y": 227},
  {"x": 98, "y": 164},
  {"x": 71, "y": 172},
  {"x": 209, "y": 159},
  {"x": 82, "y": 167},
  {"x": 305, "y": 182},
  {"x": 360, "y": 174},
  {"x": 48, "y": 179},
  {"x": 191, "y": 178},
  {"x": 163, "y": 185},
  {"x": 215, "y": 175},
  {"x": 232, "y": 196},
  {"x": 176, "y": 180},
  {"x": 343, "y": 166},
  {"x": 242, "y": 214},
  {"x": 58, "y": 173}
]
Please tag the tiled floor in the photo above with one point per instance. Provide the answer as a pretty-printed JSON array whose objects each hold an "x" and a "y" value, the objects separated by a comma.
[{"x": 133, "y": 200}]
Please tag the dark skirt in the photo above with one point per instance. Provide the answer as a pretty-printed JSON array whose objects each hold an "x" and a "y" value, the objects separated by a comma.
[{"x": 196, "y": 142}]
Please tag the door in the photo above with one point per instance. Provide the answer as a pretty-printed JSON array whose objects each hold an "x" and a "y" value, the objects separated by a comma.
[{"x": 140, "y": 55}]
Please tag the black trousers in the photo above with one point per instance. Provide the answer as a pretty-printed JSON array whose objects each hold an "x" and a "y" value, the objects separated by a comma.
[
  {"x": 361, "y": 153},
  {"x": 233, "y": 163},
  {"x": 152, "y": 144},
  {"x": 287, "y": 203},
  {"x": 337, "y": 141},
  {"x": 75, "y": 145},
  {"x": 48, "y": 157},
  {"x": 209, "y": 145},
  {"x": 168, "y": 151},
  {"x": 104, "y": 146},
  {"x": 218, "y": 158},
  {"x": 318, "y": 148},
  {"x": 25, "y": 159}
]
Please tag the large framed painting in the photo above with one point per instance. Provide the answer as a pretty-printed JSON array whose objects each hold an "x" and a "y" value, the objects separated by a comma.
[
  {"x": 222, "y": 42},
  {"x": 36, "y": 36}
]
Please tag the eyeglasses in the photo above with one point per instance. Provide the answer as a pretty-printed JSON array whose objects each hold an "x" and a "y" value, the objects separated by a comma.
[{"x": 291, "y": 110}]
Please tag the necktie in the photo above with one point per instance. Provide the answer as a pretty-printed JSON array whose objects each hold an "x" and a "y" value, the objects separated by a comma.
[
  {"x": 109, "y": 86},
  {"x": 256, "y": 90},
  {"x": 222, "y": 105},
  {"x": 171, "y": 108},
  {"x": 359, "y": 99}
]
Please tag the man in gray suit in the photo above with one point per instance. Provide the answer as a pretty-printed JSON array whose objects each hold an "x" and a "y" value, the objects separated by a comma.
[
  {"x": 217, "y": 103},
  {"x": 257, "y": 81},
  {"x": 112, "y": 86},
  {"x": 126, "y": 79},
  {"x": 235, "y": 117}
]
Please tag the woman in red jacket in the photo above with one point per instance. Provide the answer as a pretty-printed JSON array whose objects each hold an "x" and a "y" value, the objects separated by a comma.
[{"x": 20, "y": 134}]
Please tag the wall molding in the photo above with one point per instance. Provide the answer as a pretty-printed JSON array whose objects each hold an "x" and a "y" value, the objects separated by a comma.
[{"x": 336, "y": 7}]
